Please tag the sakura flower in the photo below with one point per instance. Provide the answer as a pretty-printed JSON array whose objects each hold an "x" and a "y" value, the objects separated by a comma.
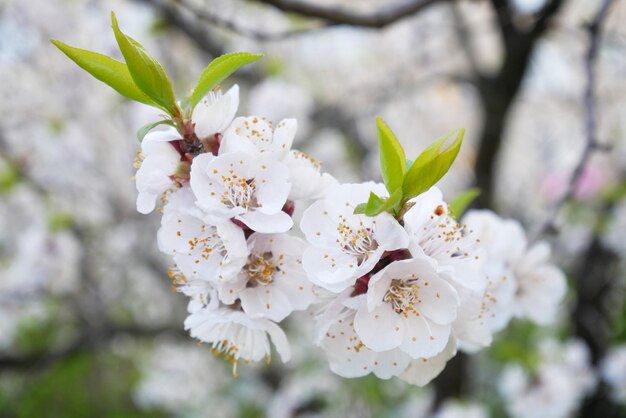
[
  {"x": 457, "y": 409},
  {"x": 215, "y": 113},
  {"x": 272, "y": 284},
  {"x": 254, "y": 135},
  {"x": 205, "y": 254},
  {"x": 563, "y": 378},
  {"x": 348, "y": 357},
  {"x": 540, "y": 285},
  {"x": 345, "y": 246},
  {"x": 521, "y": 281},
  {"x": 159, "y": 162},
  {"x": 613, "y": 372},
  {"x": 433, "y": 232},
  {"x": 250, "y": 189},
  {"x": 346, "y": 353},
  {"x": 409, "y": 307},
  {"x": 234, "y": 335},
  {"x": 306, "y": 176}
]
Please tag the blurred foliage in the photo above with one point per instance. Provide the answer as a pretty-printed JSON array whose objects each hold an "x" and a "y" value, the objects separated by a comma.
[
  {"x": 9, "y": 178},
  {"x": 516, "y": 344},
  {"x": 95, "y": 385}
]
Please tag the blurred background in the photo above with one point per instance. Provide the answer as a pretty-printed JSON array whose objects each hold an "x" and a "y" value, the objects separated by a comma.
[{"x": 89, "y": 325}]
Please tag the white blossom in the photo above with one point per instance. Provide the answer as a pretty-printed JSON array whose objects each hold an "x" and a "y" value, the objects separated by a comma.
[
  {"x": 345, "y": 246},
  {"x": 521, "y": 281},
  {"x": 214, "y": 114},
  {"x": 159, "y": 162},
  {"x": 206, "y": 253},
  {"x": 346, "y": 353},
  {"x": 254, "y": 135},
  {"x": 433, "y": 232},
  {"x": 562, "y": 379},
  {"x": 272, "y": 284},
  {"x": 235, "y": 335},
  {"x": 250, "y": 189},
  {"x": 409, "y": 307},
  {"x": 613, "y": 372},
  {"x": 457, "y": 409}
]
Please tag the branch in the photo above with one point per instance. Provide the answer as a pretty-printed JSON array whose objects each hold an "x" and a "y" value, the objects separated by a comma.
[
  {"x": 174, "y": 17},
  {"x": 206, "y": 15},
  {"x": 591, "y": 142},
  {"x": 379, "y": 19},
  {"x": 89, "y": 340}
]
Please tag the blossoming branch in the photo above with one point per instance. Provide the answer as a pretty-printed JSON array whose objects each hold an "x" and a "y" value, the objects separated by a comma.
[{"x": 397, "y": 280}]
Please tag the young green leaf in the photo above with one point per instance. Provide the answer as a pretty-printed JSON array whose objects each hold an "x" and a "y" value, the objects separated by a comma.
[
  {"x": 392, "y": 158},
  {"x": 432, "y": 164},
  {"x": 106, "y": 69},
  {"x": 462, "y": 201},
  {"x": 360, "y": 209},
  {"x": 376, "y": 205},
  {"x": 218, "y": 70},
  {"x": 143, "y": 131},
  {"x": 147, "y": 73}
]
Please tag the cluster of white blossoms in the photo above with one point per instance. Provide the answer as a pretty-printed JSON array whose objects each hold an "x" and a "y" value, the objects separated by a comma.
[
  {"x": 398, "y": 283},
  {"x": 613, "y": 372},
  {"x": 563, "y": 377},
  {"x": 395, "y": 293},
  {"x": 226, "y": 216}
]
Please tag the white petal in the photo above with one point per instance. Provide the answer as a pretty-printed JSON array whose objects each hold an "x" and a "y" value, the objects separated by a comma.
[
  {"x": 283, "y": 136},
  {"x": 380, "y": 330},
  {"x": 346, "y": 354},
  {"x": 319, "y": 225},
  {"x": 279, "y": 339},
  {"x": 438, "y": 300},
  {"x": 146, "y": 202},
  {"x": 390, "y": 363},
  {"x": 389, "y": 233},
  {"x": 215, "y": 118},
  {"x": 423, "y": 338},
  {"x": 268, "y": 224},
  {"x": 334, "y": 271},
  {"x": 421, "y": 371},
  {"x": 265, "y": 302}
]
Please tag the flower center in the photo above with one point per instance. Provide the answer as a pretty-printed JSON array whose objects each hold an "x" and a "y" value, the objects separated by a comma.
[
  {"x": 207, "y": 244},
  {"x": 442, "y": 237},
  {"x": 403, "y": 295},
  {"x": 239, "y": 192},
  {"x": 356, "y": 241},
  {"x": 261, "y": 269}
]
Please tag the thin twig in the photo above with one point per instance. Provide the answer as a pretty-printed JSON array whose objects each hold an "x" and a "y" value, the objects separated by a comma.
[
  {"x": 87, "y": 341},
  {"x": 379, "y": 19},
  {"x": 591, "y": 142},
  {"x": 204, "y": 14}
]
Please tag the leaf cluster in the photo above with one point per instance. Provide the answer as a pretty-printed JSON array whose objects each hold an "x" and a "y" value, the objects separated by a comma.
[
  {"x": 143, "y": 79},
  {"x": 405, "y": 180}
]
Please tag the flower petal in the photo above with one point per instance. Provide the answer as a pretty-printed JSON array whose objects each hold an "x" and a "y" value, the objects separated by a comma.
[{"x": 380, "y": 330}]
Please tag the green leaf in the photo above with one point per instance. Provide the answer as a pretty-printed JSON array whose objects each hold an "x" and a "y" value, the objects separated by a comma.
[
  {"x": 360, "y": 209},
  {"x": 462, "y": 201},
  {"x": 218, "y": 70},
  {"x": 147, "y": 73},
  {"x": 141, "y": 133},
  {"x": 376, "y": 205},
  {"x": 392, "y": 158},
  {"x": 106, "y": 69},
  {"x": 432, "y": 164}
]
